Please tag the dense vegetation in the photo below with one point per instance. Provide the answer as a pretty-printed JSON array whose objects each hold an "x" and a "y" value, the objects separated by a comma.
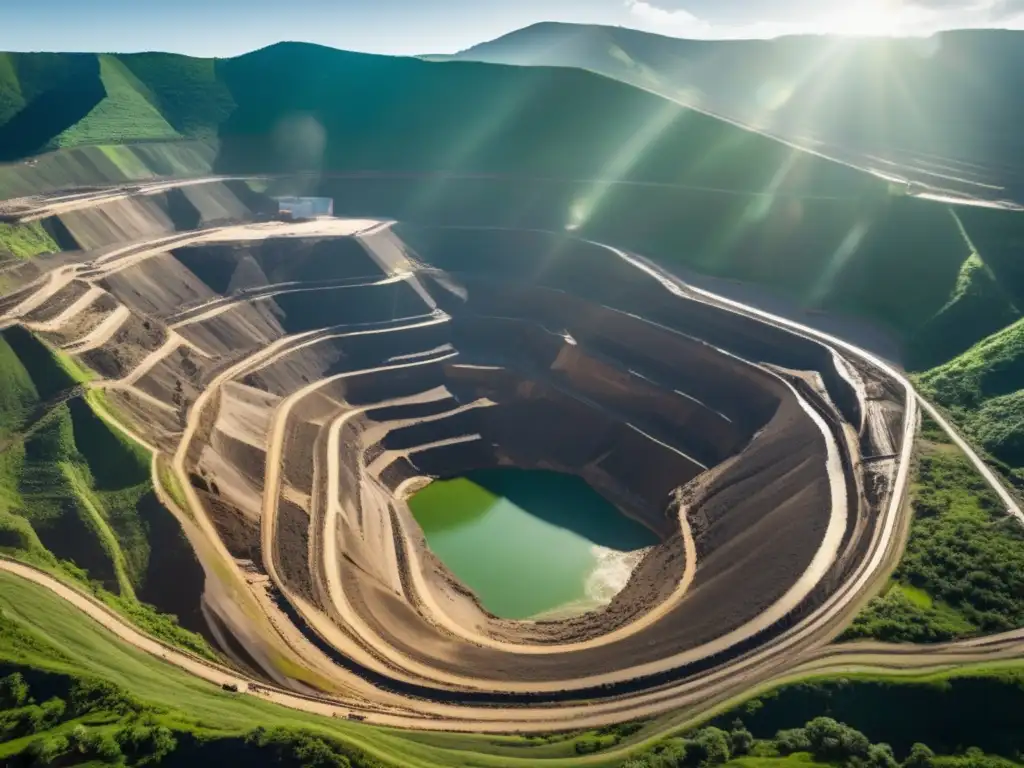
[
  {"x": 951, "y": 722},
  {"x": 963, "y": 569},
  {"x": 950, "y": 714},
  {"x": 23, "y": 241},
  {"x": 76, "y": 497},
  {"x": 83, "y": 720}
]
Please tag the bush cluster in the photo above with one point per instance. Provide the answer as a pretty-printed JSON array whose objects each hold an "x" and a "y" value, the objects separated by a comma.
[
  {"x": 706, "y": 747},
  {"x": 822, "y": 739}
]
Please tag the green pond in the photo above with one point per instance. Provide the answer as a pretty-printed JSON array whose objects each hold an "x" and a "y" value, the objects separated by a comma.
[{"x": 530, "y": 543}]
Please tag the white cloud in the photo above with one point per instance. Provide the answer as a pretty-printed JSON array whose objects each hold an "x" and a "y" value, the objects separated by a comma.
[{"x": 864, "y": 17}]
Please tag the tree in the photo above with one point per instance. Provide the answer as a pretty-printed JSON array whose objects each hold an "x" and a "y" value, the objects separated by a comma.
[
  {"x": 45, "y": 751},
  {"x": 53, "y": 711},
  {"x": 94, "y": 744},
  {"x": 740, "y": 741},
  {"x": 316, "y": 753},
  {"x": 150, "y": 743},
  {"x": 792, "y": 740},
  {"x": 831, "y": 741},
  {"x": 77, "y": 737},
  {"x": 709, "y": 746},
  {"x": 921, "y": 756},
  {"x": 13, "y": 691},
  {"x": 672, "y": 754},
  {"x": 881, "y": 756},
  {"x": 95, "y": 696},
  {"x": 161, "y": 743}
]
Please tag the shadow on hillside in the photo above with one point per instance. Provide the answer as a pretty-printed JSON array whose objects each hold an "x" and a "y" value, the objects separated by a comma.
[{"x": 51, "y": 113}]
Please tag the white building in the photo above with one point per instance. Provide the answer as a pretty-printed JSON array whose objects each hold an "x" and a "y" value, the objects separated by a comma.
[{"x": 305, "y": 207}]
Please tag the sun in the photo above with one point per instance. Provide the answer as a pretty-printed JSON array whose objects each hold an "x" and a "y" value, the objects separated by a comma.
[{"x": 872, "y": 18}]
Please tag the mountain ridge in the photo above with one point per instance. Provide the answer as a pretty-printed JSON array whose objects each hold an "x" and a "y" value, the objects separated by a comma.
[{"x": 937, "y": 111}]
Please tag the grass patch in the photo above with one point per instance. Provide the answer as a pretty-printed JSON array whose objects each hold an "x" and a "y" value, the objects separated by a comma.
[
  {"x": 24, "y": 241},
  {"x": 169, "y": 481},
  {"x": 126, "y": 112},
  {"x": 798, "y": 760},
  {"x": 97, "y": 520},
  {"x": 918, "y": 597},
  {"x": 113, "y": 417},
  {"x": 76, "y": 370},
  {"x": 982, "y": 392},
  {"x": 115, "y": 461}
]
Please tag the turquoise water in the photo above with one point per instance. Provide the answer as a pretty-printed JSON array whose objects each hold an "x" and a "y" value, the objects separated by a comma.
[{"x": 529, "y": 542}]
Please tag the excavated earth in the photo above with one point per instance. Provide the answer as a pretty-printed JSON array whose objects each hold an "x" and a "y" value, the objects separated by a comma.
[{"x": 347, "y": 363}]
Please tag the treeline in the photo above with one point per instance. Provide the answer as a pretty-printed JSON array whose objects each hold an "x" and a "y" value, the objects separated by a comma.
[
  {"x": 138, "y": 739},
  {"x": 822, "y": 739},
  {"x": 94, "y": 721}
]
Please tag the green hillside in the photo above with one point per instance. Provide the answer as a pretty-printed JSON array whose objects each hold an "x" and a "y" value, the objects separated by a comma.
[
  {"x": 983, "y": 388},
  {"x": 898, "y": 104},
  {"x": 76, "y": 498},
  {"x": 186, "y": 90},
  {"x": 125, "y": 113}
]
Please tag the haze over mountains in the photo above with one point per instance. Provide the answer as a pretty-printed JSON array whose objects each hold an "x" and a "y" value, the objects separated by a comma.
[{"x": 942, "y": 110}]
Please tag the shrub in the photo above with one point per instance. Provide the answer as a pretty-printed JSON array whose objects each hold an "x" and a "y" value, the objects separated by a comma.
[
  {"x": 709, "y": 746},
  {"x": 147, "y": 744},
  {"x": 13, "y": 691},
  {"x": 834, "y": 742},
  {"x": 46, "y": 751},
  {"x": 53, "y": 710},
  {"x": 792, "y": 740},
  {"x": 590, "y": 744},
  {"x": 94, "y": 744},
  {"x": 101, "y": 696},
  {"x": 881, "y": 756},
  {"x": 740, "y": 741},
  {"x": 921, "y": 756}
]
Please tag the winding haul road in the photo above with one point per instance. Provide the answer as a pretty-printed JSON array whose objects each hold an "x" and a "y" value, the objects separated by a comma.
[{"x": 802, "y": 649}]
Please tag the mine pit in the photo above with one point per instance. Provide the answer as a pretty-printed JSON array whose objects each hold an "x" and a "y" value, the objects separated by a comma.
[{"x": 475, "y": 463}]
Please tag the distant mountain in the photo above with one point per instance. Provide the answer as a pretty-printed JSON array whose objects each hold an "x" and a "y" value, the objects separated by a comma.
[
  {"x": 945, "y": 111},
  {"x": 553, "y": 148},
  {"x": 297, "y": 106}
]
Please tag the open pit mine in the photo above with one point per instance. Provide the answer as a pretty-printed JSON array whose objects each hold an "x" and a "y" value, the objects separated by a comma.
[{"x": 300, "y": 381}]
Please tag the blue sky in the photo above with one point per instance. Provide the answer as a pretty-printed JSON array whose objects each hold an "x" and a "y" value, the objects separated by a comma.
[{"x": 228, "y": 27}]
